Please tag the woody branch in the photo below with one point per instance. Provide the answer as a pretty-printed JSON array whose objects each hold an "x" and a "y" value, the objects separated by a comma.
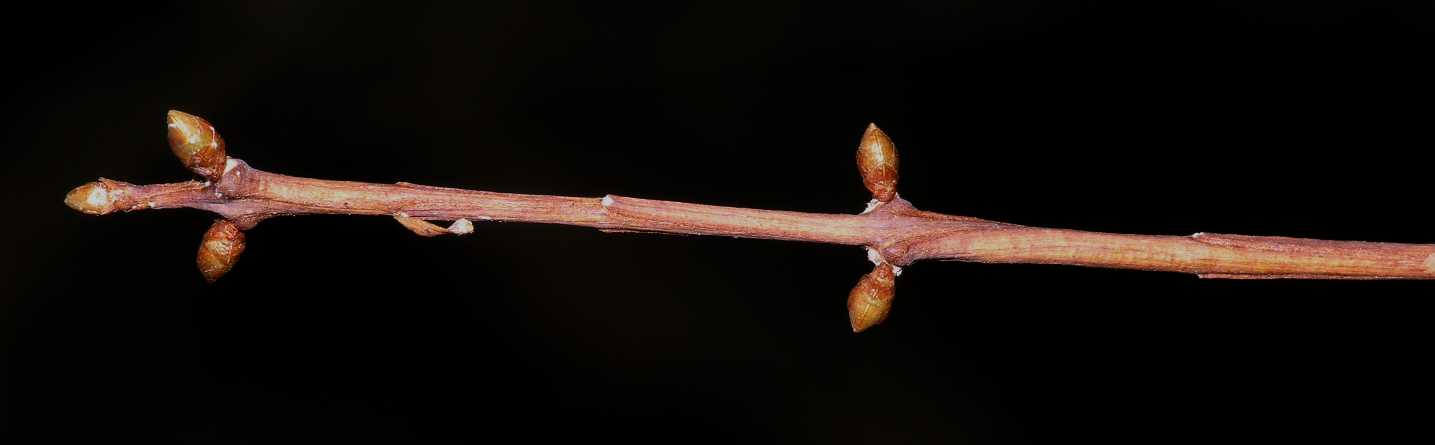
[{"x": 892, "y": 230}]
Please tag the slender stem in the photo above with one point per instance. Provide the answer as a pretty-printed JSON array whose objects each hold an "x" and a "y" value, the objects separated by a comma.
[
  {"x": 896, "y": 232},
  {"x": 1207, "y": 254}
]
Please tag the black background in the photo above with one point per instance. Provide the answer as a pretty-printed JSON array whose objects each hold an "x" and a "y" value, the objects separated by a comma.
[{"x": 1298, "y": 119}]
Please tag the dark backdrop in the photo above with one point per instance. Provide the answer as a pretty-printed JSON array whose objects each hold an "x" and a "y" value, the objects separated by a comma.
[{"x": 1295, "y": 119}]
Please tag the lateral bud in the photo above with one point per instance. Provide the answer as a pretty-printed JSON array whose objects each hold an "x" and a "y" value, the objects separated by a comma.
[
  {"x": 871, "y": 300},
  {"x": 461, "y": 226},
  {"x": 219, "y": 249},
  {"x": 197, "y": 144},
  {"x": 877, "y": 161}
]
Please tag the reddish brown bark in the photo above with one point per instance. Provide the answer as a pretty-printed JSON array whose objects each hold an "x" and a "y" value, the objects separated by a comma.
[
  {"x": 900, "y": 233},
  {"x": 894, "y": 232}
]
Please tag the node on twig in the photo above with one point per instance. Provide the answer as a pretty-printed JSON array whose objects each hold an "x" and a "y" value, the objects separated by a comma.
[{"x": 894, "y": 232}]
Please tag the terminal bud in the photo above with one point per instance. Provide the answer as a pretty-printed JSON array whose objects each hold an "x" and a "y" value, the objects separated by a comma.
[{"x": 96, "y": 198}]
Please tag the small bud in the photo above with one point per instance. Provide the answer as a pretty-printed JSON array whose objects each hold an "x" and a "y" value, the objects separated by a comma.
[
  {"x": 871, "y": 299},
  {"x": 219, "y": 249},
  {"x": 462, "y": 226},
  {"x": 877, "y": 160},
  {"x": 95, "y": 198},
  {"x": 196, "y": 144}
]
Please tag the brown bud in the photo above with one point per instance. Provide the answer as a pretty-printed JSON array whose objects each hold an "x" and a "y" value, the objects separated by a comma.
[
  {"x": 871, "y": 299},
  {"x": 96, "y": 198},
  {"x": 219, "y": 249},
  {"x": 196, "y": 144},
  {"x": 462, "y": 226},
  {"x": 877, "y": 160}
]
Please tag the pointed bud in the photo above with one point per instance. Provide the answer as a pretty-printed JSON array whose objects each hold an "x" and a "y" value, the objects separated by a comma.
[
  {"x": 871, "y": 299},
  {"x": 877, "y": 160},
  {"x": 462, "y": 226},
  {"x": 95, "y": 198},
  {"x": 219, "y": 249},
  {"x": 196, "y": 144}
]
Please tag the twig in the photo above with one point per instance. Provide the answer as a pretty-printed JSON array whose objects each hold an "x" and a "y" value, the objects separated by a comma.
[{"x": 894, "y": 232}]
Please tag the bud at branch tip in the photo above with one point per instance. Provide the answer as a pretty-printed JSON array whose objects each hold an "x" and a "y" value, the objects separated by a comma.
[{"x": 95, "y": 198}]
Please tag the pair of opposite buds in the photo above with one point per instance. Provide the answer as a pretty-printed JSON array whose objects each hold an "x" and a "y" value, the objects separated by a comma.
[
  {"x": 201, "y": 150},
  {"x": 871, "y": 299}
]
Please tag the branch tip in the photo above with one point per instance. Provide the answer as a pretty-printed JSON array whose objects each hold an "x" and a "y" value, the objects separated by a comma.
[{"x": 95, "y": 198}]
